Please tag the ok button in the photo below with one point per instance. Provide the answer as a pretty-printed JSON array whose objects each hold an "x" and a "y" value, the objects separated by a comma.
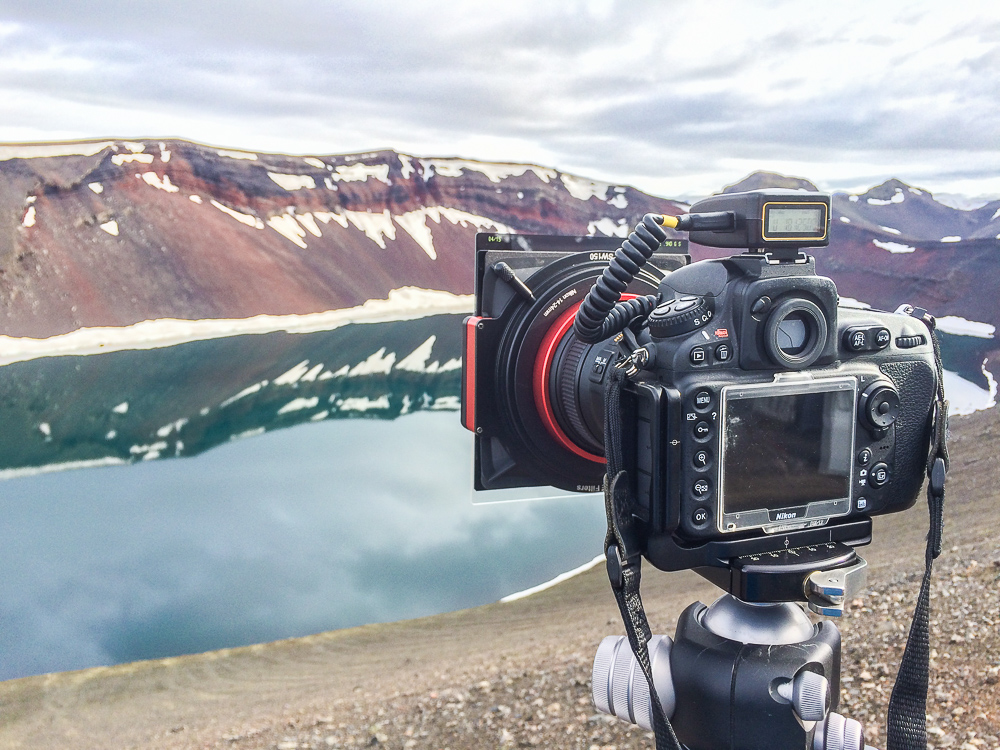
[{"x": 702, "y": 429}]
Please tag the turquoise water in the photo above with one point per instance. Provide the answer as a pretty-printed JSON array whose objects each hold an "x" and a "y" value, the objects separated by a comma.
[
  {"x": 323, "y": 526},
  {"x": 258, "y": 487}
]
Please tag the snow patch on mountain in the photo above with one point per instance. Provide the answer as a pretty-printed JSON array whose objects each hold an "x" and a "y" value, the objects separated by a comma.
[
  {"x": 250, "y": 221},
  {"x": 292, "y": 182},
  {"x": 965, "y": 397},
  {"x": 958, "y": 326},
  {"x": 890, "y": 230},
  {"x": 584, "y": 189},
  {"x": 153, "y": 180},
  {"x": 361, "y": 172},
  {"x": 29, "y": 217},
  {"x": 111, "y": 227},
  {"x": 287, "y": 227},
  {"x": 327, "y": 216},
  {"x": 897, "y": 197},
  {"x": 229, "y": 154},
  {"x": 120, "y": 159},
  {"x": 380, "y": 226},
  {"x": 494, "y": 172},
  {"x": 618, "y": 201},
  {"x": 309, "y": 222},
  {"x": 46, "y": 150},
  {"x": 608, "y": 227},
  {"x": 893, "y": 247},
  {"x": 406, "y": 166},
  {"x": 96, "y": 187},
  {"x": 414, "y": 223},
  {"x": 951, "y": 238},
  {"x": 375, "y": 226}
]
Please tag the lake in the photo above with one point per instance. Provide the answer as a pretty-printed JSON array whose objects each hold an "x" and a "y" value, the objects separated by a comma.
[{"x": 164, "y": 496}]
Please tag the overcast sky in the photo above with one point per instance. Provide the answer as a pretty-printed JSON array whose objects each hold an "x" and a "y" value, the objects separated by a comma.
[{"x": 675, "y": 98}]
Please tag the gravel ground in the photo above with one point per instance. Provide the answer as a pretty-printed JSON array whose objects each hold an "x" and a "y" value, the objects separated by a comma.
[{"x": 548, "y": 704}]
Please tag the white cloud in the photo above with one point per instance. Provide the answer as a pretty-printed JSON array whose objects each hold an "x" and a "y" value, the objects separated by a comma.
[{"x": 676, "y": 100}]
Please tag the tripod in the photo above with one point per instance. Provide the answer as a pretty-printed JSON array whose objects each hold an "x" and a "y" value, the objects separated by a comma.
[{"x": 745, "y": 675}]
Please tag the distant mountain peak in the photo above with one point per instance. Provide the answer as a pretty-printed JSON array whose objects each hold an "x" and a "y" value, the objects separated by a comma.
[
  {"x": 892, "y": 191},
  {"x": 761, "y": 179}
]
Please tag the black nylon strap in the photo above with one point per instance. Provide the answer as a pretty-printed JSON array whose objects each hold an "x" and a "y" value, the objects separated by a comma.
[
  {"x": 907, "y": 714},
  {"x": 622, "y": 545}
]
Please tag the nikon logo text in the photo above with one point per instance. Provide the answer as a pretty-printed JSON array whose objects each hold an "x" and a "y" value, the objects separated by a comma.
[{"x": 785, "y": 516}]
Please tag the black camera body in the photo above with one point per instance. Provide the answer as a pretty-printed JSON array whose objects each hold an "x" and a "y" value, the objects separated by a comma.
[
  {"x": 781, "y": 416},
  {"x": 763, "y": 421}
]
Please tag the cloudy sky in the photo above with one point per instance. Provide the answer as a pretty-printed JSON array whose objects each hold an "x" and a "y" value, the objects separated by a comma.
[{"x": 676, "y": 98}]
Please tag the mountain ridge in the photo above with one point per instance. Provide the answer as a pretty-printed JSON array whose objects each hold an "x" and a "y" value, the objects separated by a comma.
[{"x": 112, "y": 232}]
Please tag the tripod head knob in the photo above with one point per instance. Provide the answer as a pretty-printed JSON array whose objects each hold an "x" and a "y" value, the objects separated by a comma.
[
  {"x": 809, "y": 694},
  {"x": 839, "y": 733}
]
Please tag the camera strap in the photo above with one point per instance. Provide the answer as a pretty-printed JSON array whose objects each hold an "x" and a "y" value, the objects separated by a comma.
[
  {"x": 907, "y": 714},
  {"x": 623, "y": 549}
]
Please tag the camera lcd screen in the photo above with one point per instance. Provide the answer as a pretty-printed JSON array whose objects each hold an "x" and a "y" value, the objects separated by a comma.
[
  {"x": 798, "y": 221},
  {"x": 787, "y": 449}
]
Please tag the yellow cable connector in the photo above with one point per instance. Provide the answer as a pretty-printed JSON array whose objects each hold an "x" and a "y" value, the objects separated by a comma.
[{"x": 669, "y": 221}]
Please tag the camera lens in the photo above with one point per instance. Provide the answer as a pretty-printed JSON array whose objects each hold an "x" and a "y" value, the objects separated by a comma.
[{"x": 795, "y": 333}]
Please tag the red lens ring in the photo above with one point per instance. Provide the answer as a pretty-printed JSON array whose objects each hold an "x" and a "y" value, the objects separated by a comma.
[{"x": 543, "y": 368}]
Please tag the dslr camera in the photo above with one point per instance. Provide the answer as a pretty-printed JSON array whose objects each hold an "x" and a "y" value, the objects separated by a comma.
[{"x": 762, "y": 421}]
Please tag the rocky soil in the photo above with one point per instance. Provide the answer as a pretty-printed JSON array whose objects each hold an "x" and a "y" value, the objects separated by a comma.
[{"x": 545, "y": 701}]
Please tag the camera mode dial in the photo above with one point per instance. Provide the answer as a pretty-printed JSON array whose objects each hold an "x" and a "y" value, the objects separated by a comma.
[{"x": 680, "y": 315}]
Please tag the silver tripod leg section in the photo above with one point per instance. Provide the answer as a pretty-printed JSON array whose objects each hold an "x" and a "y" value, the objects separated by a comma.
[{"x": 619, "y": 686}]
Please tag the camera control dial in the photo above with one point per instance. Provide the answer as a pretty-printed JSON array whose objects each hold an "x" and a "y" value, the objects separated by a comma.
[
  {"x": 680, "y": 315},
  {"x": 879, "y": 405}
]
